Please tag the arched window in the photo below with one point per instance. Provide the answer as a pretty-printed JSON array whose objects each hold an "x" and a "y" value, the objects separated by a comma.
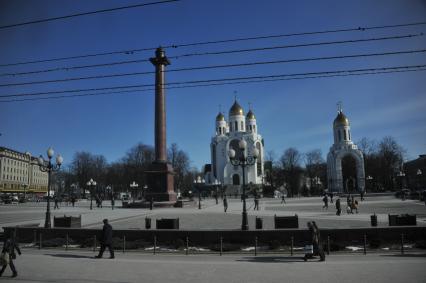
[
  {"x": 242, "y": 126},
  {"x": 230, "y": 127},
  {"x": 235, "y": 179},
  {"x": 345, "y": 134},
  {"x": 234, "y": 144},
  {"x": 349, "y": 132},
  {"x": 340, "y": 135},
  {"x": 236, "y": 126},
  {"x": 254, "y": 128}
]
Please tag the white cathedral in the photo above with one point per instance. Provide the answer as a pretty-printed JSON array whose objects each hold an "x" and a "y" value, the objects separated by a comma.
[{"x": 228, "y": 134}]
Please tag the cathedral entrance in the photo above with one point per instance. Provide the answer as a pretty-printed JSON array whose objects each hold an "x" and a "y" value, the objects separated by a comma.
[
  {"x": 349, "y": 174},
  {"x": 236, "y": 179}
]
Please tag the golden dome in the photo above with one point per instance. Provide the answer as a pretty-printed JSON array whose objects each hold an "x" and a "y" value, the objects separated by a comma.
[
  {"x": 341, "y": 120},
  {"x": 250, "y": 115},
  {"x": 220, "y": 117},
  {"x": 236, "y": 109}
]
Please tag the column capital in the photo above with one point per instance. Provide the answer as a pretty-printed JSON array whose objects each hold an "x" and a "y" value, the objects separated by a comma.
[{"x": 160, "y": 58}]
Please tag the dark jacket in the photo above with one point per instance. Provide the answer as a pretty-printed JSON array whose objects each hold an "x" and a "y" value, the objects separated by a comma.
[
  {"x": 107, "y": 234},
  {"x": 10, "y": 246},
  {"x": 338, "y": 204}
]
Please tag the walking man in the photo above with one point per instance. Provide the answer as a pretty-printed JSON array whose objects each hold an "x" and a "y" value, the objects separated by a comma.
[
  {"x": 9, "y": 247},
  {"x": 151, "y": 203},
  {"x": 225, "y": 203},
  {"x": 282, "y": 198},
  {"x": 325, "y": 200},
  {"x": 56, "y": 203},
  {"x": 256, "y": 203},
  {"x": 331, "y": 197},
  {"x": 338, "y": 207},
  {"x": 106, "y": 240}
]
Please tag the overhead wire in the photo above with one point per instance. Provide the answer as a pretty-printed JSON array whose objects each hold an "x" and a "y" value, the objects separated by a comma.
[
  {"x": 86, "y": 14},
  {"x": 74, "y": 67},
  {"x": 224, "y": 83},
  {"x": 220, "y": 80},
  {"x": 229, "y": 40},
  {"x": 219, "y": 66},
  {"x": 217, "y": 53},
  {"x": 295, "y": 46}
]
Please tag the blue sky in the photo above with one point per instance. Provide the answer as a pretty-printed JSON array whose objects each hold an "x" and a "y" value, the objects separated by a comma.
[{"x": 297, "y": 113}]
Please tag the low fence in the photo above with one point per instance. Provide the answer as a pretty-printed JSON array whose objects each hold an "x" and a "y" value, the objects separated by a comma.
[{"x": 223, "y": 241}]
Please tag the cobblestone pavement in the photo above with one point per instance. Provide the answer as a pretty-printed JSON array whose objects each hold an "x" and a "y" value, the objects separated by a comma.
[{"x": 212, "y": 216}]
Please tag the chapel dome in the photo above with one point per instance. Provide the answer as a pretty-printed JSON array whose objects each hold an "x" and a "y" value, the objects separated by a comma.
[{"x": 341, "y": 120}]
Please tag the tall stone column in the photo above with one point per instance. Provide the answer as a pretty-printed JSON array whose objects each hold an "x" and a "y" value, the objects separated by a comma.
[
  {"x": 160, "y": 176},
  {"x": 160, "y": 61}
]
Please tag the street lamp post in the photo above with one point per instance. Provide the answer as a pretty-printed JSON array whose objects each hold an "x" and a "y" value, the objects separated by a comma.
[
  {"x": 133, "y": 187},
  {"x": 369, "y": 178},
  {"x": 401, "y": 175},
  {"x": 145, "y": 189},
  {"x": 49, "y": 168},
  {"x": 198, "y": 183},
  {"x": 91, "y": 184},
  {"x": 243, "y": 160},
  {"x": 110, "y": 191},
  {"x": 216, "y": 185},
  {"x": 419, "y": 177}
]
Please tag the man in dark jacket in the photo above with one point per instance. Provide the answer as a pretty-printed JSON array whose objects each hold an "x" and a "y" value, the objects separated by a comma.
[
  {"x": 338, "y": 207},
  {"x": 9, "y": 247},
  {"x": 106, "y": 240},
  {"x": 225, "y": 204}
]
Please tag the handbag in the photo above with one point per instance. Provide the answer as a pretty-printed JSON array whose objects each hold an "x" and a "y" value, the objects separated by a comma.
[{"x": 4, "y": 258}]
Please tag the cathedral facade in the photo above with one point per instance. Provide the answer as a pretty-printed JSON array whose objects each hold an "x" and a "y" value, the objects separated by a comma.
[{"x": 228, "y": 134}]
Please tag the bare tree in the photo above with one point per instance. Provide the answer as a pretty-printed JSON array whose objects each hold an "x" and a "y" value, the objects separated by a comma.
[
  {"x": 292, "y": 171},
  {"x": 86, "y": 166},
  {"x": 391, "y": 156},
  {"x": 180, "y": 162},
  {"x": 313, "y": 162},
  {"x": 367, "y": 146}
]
